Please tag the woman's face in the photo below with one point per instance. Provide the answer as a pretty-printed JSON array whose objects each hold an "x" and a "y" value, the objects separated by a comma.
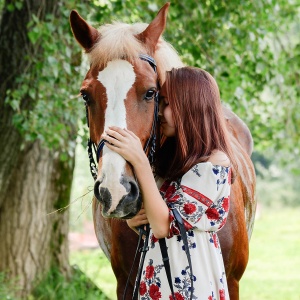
[{"x": 165, "y": 114}]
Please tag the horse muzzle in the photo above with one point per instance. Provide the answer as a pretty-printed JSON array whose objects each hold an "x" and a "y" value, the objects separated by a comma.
[{"x": 122, "y": 200}]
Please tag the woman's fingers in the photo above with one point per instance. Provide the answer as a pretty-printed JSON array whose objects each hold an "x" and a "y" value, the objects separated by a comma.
[
  {"x": 117, "y": 134},
  {"x": 112, "y": 141},
  {"x": 122, "y": 132}
]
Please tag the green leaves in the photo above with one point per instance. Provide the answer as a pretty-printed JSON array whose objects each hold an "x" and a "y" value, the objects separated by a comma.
[
  {"x": 252, "y": 48},
  {"x": 45, "y": 101}
]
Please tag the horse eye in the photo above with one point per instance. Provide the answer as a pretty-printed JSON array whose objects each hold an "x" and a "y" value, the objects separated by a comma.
[
  {"x": 149, "y": 94},
  {"x": 85, "y": 97}
]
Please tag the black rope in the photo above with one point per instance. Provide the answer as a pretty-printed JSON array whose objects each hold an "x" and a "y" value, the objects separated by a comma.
[
  {"x": 143, "y": 250},
  {"x": 142, "y": 232},
  {"x": 186, "y": 245},
  {"x": 166, "y": 261}
]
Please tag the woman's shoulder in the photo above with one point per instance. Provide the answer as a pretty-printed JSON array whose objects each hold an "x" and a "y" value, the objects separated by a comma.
[
  {"x": 208, "y": 178},
  {"x": 219, "y": 158},
  {"x": 217, "y": 165}
]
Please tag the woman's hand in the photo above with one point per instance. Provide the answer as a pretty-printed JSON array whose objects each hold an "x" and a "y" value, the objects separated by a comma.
[
  {"x": 156, "y": 212},
  {"x": 138, "y": 220},
  {"x": 125, "y": 143}
]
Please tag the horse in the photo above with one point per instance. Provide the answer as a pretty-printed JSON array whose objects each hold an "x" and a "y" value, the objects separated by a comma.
[{"x": 127, "y": 65}]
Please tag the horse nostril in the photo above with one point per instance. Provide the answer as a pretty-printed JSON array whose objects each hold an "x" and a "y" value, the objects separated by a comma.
[
  {"x": 134, "y": 190},
  {"x": 97, "y": 189}
]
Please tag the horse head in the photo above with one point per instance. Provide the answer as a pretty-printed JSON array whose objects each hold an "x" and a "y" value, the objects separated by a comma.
[{"x": 119, "y": 90}]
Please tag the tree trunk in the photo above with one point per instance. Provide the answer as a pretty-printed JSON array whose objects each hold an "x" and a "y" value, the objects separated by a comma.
[
  {"x": 31, "y": 239},
  {"x": 33, "y": 182}
]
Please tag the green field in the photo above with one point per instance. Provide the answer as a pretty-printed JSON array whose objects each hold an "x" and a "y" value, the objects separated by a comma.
[{"x": 273, "y": 270}]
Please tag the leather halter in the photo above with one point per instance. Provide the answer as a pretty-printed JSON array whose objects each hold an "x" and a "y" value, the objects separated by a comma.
[{"x": 151, "y": 142}]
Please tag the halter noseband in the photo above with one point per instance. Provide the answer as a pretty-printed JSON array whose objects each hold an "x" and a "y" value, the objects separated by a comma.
[{"x": 151, "y": 142}]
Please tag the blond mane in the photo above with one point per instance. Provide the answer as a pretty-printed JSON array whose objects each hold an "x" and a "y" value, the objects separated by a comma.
[{"x": 118, "y": 42}]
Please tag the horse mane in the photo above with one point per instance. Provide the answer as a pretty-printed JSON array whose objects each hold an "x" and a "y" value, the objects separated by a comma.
[{"x": 118, "y": 41}]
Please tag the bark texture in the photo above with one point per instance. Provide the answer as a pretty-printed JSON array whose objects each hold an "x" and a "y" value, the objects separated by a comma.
[{"x": 33, "y": 182}]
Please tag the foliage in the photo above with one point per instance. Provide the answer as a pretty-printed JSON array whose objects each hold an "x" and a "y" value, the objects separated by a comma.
[
  {"x": 51, "y": 83},
  {"x": 95, "y": 264},
  {"x": 251, "y": 47},
  {"x": 238, "y": 42},
  {"x": 8, "y": 288},
  {"x": 56, "y": 286}
]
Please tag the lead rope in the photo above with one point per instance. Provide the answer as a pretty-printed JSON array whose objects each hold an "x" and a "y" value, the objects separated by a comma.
[
  {"x": 144, "y": 249},
  {"x": 166, "y": 261},
  {"x": 165, "y": 257},
  {"x": 186, "y": 245}
]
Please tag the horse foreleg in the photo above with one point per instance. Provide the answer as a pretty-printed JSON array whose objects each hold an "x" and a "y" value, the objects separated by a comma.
[
  {"x": 123, "y": 247},
  {"x": 234, "y": 242},
  {"x": 233, "y": 288}
]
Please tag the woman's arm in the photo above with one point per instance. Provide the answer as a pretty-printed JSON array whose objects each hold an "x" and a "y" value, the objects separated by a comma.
[
  {"x": 128, "y": 145},
  {"x": 139, "y": 219}
]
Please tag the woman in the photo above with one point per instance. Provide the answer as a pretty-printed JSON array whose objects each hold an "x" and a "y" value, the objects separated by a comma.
[{"x": 196, "y": 162}]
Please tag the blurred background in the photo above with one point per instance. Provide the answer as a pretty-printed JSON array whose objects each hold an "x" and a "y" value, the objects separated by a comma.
[{"x": 48, "y": 248}]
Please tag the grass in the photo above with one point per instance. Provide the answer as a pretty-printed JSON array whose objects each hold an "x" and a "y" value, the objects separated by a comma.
[
  {"x": 55, "y": 287},
  {"x": 97, "y": 267},
  {"x": 273, "y": 271}
]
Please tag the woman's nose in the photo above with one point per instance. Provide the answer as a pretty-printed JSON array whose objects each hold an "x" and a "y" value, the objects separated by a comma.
[{"x": 160, "y": 109}]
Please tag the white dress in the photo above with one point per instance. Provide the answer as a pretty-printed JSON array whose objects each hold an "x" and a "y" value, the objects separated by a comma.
[{"x": 202, "y": 199}]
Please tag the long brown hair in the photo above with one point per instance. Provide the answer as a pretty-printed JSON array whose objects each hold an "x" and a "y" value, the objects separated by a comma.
[{"x": 194, "y": 99}]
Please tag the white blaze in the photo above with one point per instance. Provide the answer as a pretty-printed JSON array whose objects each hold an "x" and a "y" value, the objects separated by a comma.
[{"x": 118, "y": 77}]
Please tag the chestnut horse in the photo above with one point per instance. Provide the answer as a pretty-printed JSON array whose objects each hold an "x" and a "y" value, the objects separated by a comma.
[{"x": 119, "y": 90}]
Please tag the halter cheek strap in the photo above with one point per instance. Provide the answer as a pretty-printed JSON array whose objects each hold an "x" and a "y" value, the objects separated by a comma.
[{"x": 150, "y": 143}]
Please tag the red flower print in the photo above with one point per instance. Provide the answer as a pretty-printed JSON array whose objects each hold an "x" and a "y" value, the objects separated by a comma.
[
  {"x": 153, "y": 239},
  {"x": 173, "y": 198},
  {"x": 149, "y": 271},
  {"x": 178, "y": 296},
  {"x": 143, "y": 288},
  {"x": 229, "y": 177},
  {"x": 210, "y": 298},
  {"x": 187, "y": 225},
  {"x": 173, "y": 231},
  {"x": 170, "y": 191},
  {"x": 222, "y": 294},
  {"x": 164, "y": 186},
  {"x": 225, "y": 204},
  {"x": 212, "y": 213},
  {"x": 189, "y": 208},
  {"x": 171, "y": 216},
  {"x": 222, "y": 224},
  {"x": 216, "y": 241},
  {"x": 154, "y": 292}
]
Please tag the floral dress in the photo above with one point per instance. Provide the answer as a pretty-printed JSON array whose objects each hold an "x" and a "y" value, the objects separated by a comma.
[{"x": 202, "y": 199}]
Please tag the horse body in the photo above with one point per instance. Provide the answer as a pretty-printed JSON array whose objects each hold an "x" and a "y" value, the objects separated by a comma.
[{"x": 117, "y": 90}]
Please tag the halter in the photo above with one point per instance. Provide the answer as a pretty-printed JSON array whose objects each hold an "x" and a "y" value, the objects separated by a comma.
[{"x": 151, "y": 142}]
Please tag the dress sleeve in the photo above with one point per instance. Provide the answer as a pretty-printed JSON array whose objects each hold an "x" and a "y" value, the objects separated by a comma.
[{"x": 201, "y": 198}]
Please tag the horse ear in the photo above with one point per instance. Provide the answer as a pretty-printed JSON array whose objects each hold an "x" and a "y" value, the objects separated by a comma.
[
  {"x": 155, "y": 29},
  {"x": 85, "y": 34}
]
